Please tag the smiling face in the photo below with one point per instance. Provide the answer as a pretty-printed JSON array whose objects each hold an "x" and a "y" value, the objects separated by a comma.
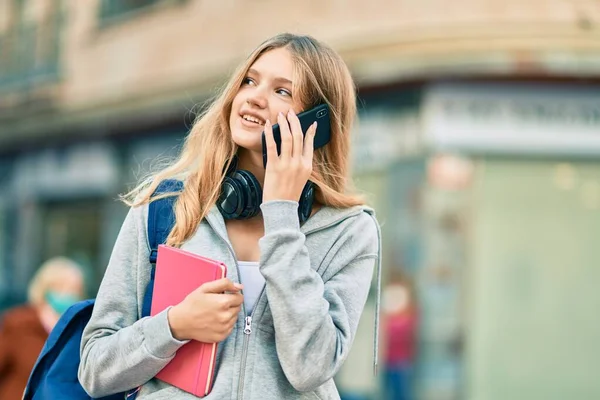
[{"x": 265, "y": 92}]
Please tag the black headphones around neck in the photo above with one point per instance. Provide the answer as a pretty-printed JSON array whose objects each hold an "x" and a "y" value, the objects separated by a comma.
[{"x": 241, "y": 195}]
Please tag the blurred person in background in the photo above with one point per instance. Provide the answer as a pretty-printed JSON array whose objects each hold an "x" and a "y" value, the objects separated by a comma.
[
  {"x": 56, "y": 286},
  {"x": 400, "y": 324},
  {"x": 307, "y": 279}
]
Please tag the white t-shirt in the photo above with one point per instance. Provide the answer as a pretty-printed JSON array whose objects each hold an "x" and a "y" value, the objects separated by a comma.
[{"x": 253, "y": 282}]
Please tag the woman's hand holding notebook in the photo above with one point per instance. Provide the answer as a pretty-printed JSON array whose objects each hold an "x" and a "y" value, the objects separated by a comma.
[
  {"x": 193, "y": 286},
  {"x": 204, "y": 317}
]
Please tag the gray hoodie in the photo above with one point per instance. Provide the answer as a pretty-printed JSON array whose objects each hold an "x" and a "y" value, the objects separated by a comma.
[{"x": 317, "y": 280}]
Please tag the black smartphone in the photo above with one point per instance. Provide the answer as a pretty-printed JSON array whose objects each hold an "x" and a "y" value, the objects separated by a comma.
[{"x": 320, "y": 114}]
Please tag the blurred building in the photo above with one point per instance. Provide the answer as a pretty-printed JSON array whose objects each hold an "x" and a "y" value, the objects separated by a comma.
[{"x": 478, "y": 139}]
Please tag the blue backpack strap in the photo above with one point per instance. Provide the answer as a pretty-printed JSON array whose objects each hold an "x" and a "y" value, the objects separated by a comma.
[
  {"x": 68, "y": 322},
  {"x": 161, "y": 220},
  {"x": 54, "y": 375}
]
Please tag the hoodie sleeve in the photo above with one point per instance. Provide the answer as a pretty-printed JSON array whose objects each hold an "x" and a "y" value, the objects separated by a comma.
[
  {"x": 315, "y": 321},
  {"x": 118, "y": 351}
]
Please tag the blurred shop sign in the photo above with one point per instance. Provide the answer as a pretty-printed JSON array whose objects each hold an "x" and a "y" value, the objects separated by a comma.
[
  {"x": 380, "y": 138},
  {"x": 508, "y": 119},
  {"x": 80, "y": 170}
]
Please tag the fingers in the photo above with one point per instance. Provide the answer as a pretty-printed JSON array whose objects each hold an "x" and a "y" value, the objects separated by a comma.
[
  {"x": 226, "y": 328},
  {"x": 297, "y": 134},
  {"x": 226, "y": 301},
  {"x": 234, "y": 300},
  {"x": 227, "y": 320},
  {"x": 309, "y": 140},
  {"x": 221, "y": 286},
  {"x": 233, "y": 317},
  {"x": 228, "y": 317},
  {"x": 286, "y": 137},
  {"x": 271, "y": 145}
]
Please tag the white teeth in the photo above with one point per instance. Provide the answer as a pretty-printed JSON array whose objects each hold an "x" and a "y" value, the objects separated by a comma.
[{"x": 252, "y": 119}]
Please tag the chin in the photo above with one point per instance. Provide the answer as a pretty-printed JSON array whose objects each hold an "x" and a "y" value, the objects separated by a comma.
[{"x": 248, "y": 140}]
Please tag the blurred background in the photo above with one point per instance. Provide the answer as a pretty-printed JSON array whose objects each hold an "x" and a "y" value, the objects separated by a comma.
[{"x": 478, "y": 143}]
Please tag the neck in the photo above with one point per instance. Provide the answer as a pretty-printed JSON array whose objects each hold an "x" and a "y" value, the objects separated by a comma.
[{"x": 253, "y": 162}]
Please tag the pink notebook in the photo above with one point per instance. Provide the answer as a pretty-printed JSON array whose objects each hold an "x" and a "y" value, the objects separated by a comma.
[{"x": 178, "y": 273}]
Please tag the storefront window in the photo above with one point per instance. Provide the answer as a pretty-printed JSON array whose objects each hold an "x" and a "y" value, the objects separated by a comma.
[
  {"x": 115, "y": 9},
  {"x": 29, "y": 42},
  {"x": 73, "y": 229},
  {"x": 534, "y": 280}
]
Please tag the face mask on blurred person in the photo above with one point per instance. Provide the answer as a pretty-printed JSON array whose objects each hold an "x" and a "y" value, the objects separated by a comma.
[{"x": 60, "y": 302}]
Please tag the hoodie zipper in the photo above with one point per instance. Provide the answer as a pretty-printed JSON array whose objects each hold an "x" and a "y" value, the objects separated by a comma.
[
  {"x": 247, "y": 332},
  {"x": 248, "y": 318}
]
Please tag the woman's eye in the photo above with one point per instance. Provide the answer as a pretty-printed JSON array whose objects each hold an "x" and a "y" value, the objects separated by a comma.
[
  {"x": 284, "y": 92},
  {"x": 248, "y": 81}
]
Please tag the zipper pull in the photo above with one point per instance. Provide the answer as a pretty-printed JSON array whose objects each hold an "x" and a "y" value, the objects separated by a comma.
[{"x": 248, "y": 327}]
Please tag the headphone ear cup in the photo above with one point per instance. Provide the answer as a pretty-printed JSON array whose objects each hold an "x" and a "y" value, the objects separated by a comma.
[
  {"x": 252, "y": 192},
  {"x": 307, "y": 199},
  {"x": 231, "y": 200}
]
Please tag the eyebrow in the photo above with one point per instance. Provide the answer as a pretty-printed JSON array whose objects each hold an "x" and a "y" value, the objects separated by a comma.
[{"x": 277, "y": 79}]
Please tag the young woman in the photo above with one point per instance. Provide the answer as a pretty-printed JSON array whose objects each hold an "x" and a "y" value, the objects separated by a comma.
[{"x": 286, "y": 334}]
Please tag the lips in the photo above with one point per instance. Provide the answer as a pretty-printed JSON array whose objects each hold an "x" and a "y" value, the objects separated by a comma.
[{"x": 252, "y": 118}]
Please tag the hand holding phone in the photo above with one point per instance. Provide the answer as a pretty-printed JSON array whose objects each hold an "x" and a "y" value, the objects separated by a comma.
[
  {"x": 319, "y": 114},
  {"x": 289, "y": 165}
]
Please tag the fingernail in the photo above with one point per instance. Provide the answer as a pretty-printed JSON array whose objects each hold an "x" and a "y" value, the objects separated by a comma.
[
  {"x": 314, "y": 127},
  {"x": 268, "y": 122},
  {"x": 238, "y": 285},
  {"x": 291, "y": 112},
  {"x": 280, "y": 115}
]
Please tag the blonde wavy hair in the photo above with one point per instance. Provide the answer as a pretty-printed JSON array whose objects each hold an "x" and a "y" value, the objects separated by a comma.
[{"x": 320, "y": 76}]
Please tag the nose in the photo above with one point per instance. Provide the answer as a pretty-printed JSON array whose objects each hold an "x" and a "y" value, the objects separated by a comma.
[{"x": 257, "y": 98}]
